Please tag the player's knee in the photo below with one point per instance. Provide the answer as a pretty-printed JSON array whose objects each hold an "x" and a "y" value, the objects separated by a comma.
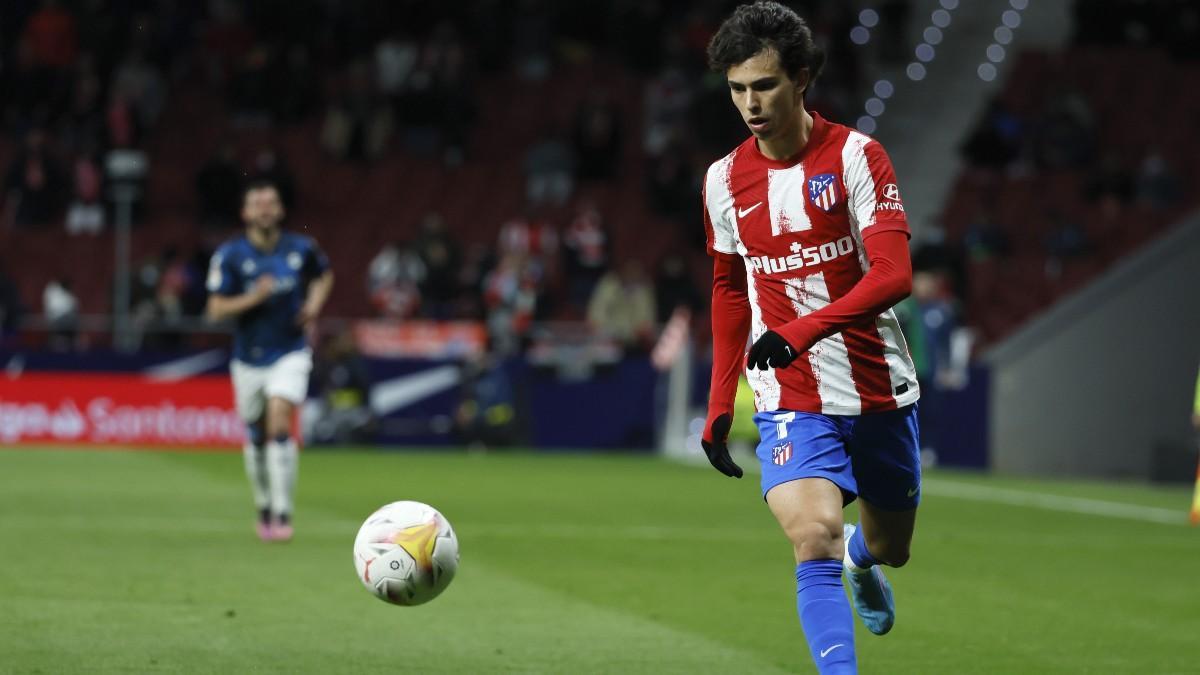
[{"x": 814, "y": 540}]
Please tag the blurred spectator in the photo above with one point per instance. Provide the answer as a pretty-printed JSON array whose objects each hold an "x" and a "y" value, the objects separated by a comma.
[
  {"x": 10, "y": 306},
  {"x": 297, "y": 88},
  {"x": 219, "y": 187},
  {"x": 253, "y": 88},
  {"x": 931, "y": 250},
  {"x": 622, "y": 306},
  {"x": 1110, "y": 184},
  {"x": 120, "y": 122},
  {"x": 86, "y": 211},
  {"x": 478, "y": 260},
  {"x": 138, "y": 82},
  {"x": 52, "y": 36},
  {"x": 510, "y": 295},
  {"x": 343, "y": 410},
  {"x": 143, "y": 300},
  {"x": 84, "y": 120},
  {"x": 1066, "y": 131},
  {"x": 985, "y": 238},
  {"x": 586, "y": 252},
  {"x": 226, "y": 39},
  {"x": 597, "y": 137},
  {"x": 1065, "y": 240},
  {"x": 394, "y": 278},
  {"x": 1183, "y": 34},
  {"x": 996, "y": 140},
  {"x": 395, "y": 59},
  {"x": 440, "y": 255},
  {"x": 159, "y": 298},
  {"x": 61, "y": 310},
  {"x": 1173, "y": 25},
  {"x": 532, "y": 40},
  {"x": 1158, "y": 186},
  {"x": 549, "y": 171},
  {"x": 671, "y": 184},
  {"x": 487, "y": 414},
  {"x": 442, "y": 93},
  {"x": 34, "y": 184},
  {"x": 674, "y": 288},
  {"x": 173, "y": 283},
  {"x": 534, "y": 239},
  {"x": 929, "y": 319},
  {"x": 667, "y": 102},
  {"x": 358, "y": 125}
]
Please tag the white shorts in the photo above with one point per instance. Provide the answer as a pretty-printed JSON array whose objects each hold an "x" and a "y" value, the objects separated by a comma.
[{"x": 287, "y": 378}]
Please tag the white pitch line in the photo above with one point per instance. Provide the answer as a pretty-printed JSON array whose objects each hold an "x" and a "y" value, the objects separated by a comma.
[{"x": 1091, "y": 507}]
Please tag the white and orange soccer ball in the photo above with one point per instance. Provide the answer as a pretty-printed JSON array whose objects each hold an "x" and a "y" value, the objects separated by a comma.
[{"x": 406, "y": 553}]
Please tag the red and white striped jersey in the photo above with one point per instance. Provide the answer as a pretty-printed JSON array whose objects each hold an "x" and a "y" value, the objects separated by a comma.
[{"x": 799, "y": 225}]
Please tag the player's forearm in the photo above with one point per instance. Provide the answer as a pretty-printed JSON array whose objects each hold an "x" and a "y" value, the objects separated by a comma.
[
  {"x": 318, "y": 291},
  {"x": 221, "y": 307},
  {"x": 730, "y": 328},
  {"x": 887, "y": 282}
]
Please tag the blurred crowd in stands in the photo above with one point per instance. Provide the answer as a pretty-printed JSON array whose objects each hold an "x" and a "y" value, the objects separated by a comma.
[
  {"x": 376, "y": 84},
  {"x": 89, "y": 78}
]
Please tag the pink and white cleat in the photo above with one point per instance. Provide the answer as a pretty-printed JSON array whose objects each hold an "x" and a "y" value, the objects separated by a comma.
[
  {"x": 281, "y": 532},
  {"x": 265, "y": 531}
]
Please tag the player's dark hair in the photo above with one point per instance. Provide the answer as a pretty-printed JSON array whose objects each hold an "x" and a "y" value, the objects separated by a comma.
[
  {"x": 766, "y": 25},
  {"x": 260, "y": 183}
]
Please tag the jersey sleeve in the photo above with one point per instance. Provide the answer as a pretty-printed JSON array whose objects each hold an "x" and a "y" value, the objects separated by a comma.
[
  {"x": 222, "y": 275},
  {"x": 717, "y": 229},
  {"x": 872, "y": 193}
]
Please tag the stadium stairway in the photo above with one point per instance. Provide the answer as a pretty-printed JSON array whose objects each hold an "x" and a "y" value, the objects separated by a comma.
[{"x": 922, "y": 134}]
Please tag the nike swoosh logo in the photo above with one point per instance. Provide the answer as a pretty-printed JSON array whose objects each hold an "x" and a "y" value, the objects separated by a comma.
[
  {"x": 914, "y": 491},
  {"x": 824, "y": 652},
  {"x": 743, "y": 212}
]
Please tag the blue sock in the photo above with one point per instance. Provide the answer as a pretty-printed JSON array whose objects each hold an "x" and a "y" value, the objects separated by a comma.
[
  {"x": 825, "y": 616},
  {"x": 857, "y": 548}
]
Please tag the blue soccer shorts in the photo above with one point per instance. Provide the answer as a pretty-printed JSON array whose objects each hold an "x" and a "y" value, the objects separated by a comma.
[{"x": 875, "y": 456}]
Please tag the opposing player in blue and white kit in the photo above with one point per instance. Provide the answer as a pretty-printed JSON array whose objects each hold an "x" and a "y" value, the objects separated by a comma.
[{"x": 273, "y": 284}]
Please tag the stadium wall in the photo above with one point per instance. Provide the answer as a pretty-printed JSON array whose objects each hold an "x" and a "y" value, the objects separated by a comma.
[
  {"x": 185, "y": 401},
  {"x": 1102, "y": 384}
]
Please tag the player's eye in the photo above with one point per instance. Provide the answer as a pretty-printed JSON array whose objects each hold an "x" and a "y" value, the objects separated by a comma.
[{"x": 765, "y": 85}]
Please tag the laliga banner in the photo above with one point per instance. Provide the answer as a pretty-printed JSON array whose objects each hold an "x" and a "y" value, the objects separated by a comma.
[{"x": 118, "y": 409}]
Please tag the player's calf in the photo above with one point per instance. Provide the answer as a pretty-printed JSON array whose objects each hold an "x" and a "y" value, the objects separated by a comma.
[
  {"x": 282, "y": 459},
  {"x": 869, "y": 588}
]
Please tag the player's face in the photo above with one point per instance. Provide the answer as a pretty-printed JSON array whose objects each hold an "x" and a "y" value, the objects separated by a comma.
[
  {"x": 262, "y": 208},
  {"x": 768, "y": 99}
]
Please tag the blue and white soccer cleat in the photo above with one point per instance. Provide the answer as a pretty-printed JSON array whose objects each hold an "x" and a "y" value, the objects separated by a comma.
[{"x": 871, "y": 593}]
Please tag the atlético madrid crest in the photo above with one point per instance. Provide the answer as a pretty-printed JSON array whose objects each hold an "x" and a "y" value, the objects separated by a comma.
[
  {"x": 823, "y": 191},
  {"x": 781, "y": 453}
]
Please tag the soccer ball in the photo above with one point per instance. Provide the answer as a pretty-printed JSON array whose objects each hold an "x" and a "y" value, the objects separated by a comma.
[{"x": 406, "y": 553}]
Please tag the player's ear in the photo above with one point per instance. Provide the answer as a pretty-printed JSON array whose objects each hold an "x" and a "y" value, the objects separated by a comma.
[{"x": 801, "y": 83}]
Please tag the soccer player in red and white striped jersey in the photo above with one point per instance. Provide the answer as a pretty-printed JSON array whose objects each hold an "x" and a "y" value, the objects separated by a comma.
[{"x": 810, "y": 247}]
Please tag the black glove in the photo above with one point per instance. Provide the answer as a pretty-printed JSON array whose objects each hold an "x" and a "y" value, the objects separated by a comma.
[
  {"x": 717, "y": 449},
  {"x": 770, "y": 351}
]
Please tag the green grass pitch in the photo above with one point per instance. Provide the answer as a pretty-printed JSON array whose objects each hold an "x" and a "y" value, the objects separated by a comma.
[{"x": 130, "y": 562}]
